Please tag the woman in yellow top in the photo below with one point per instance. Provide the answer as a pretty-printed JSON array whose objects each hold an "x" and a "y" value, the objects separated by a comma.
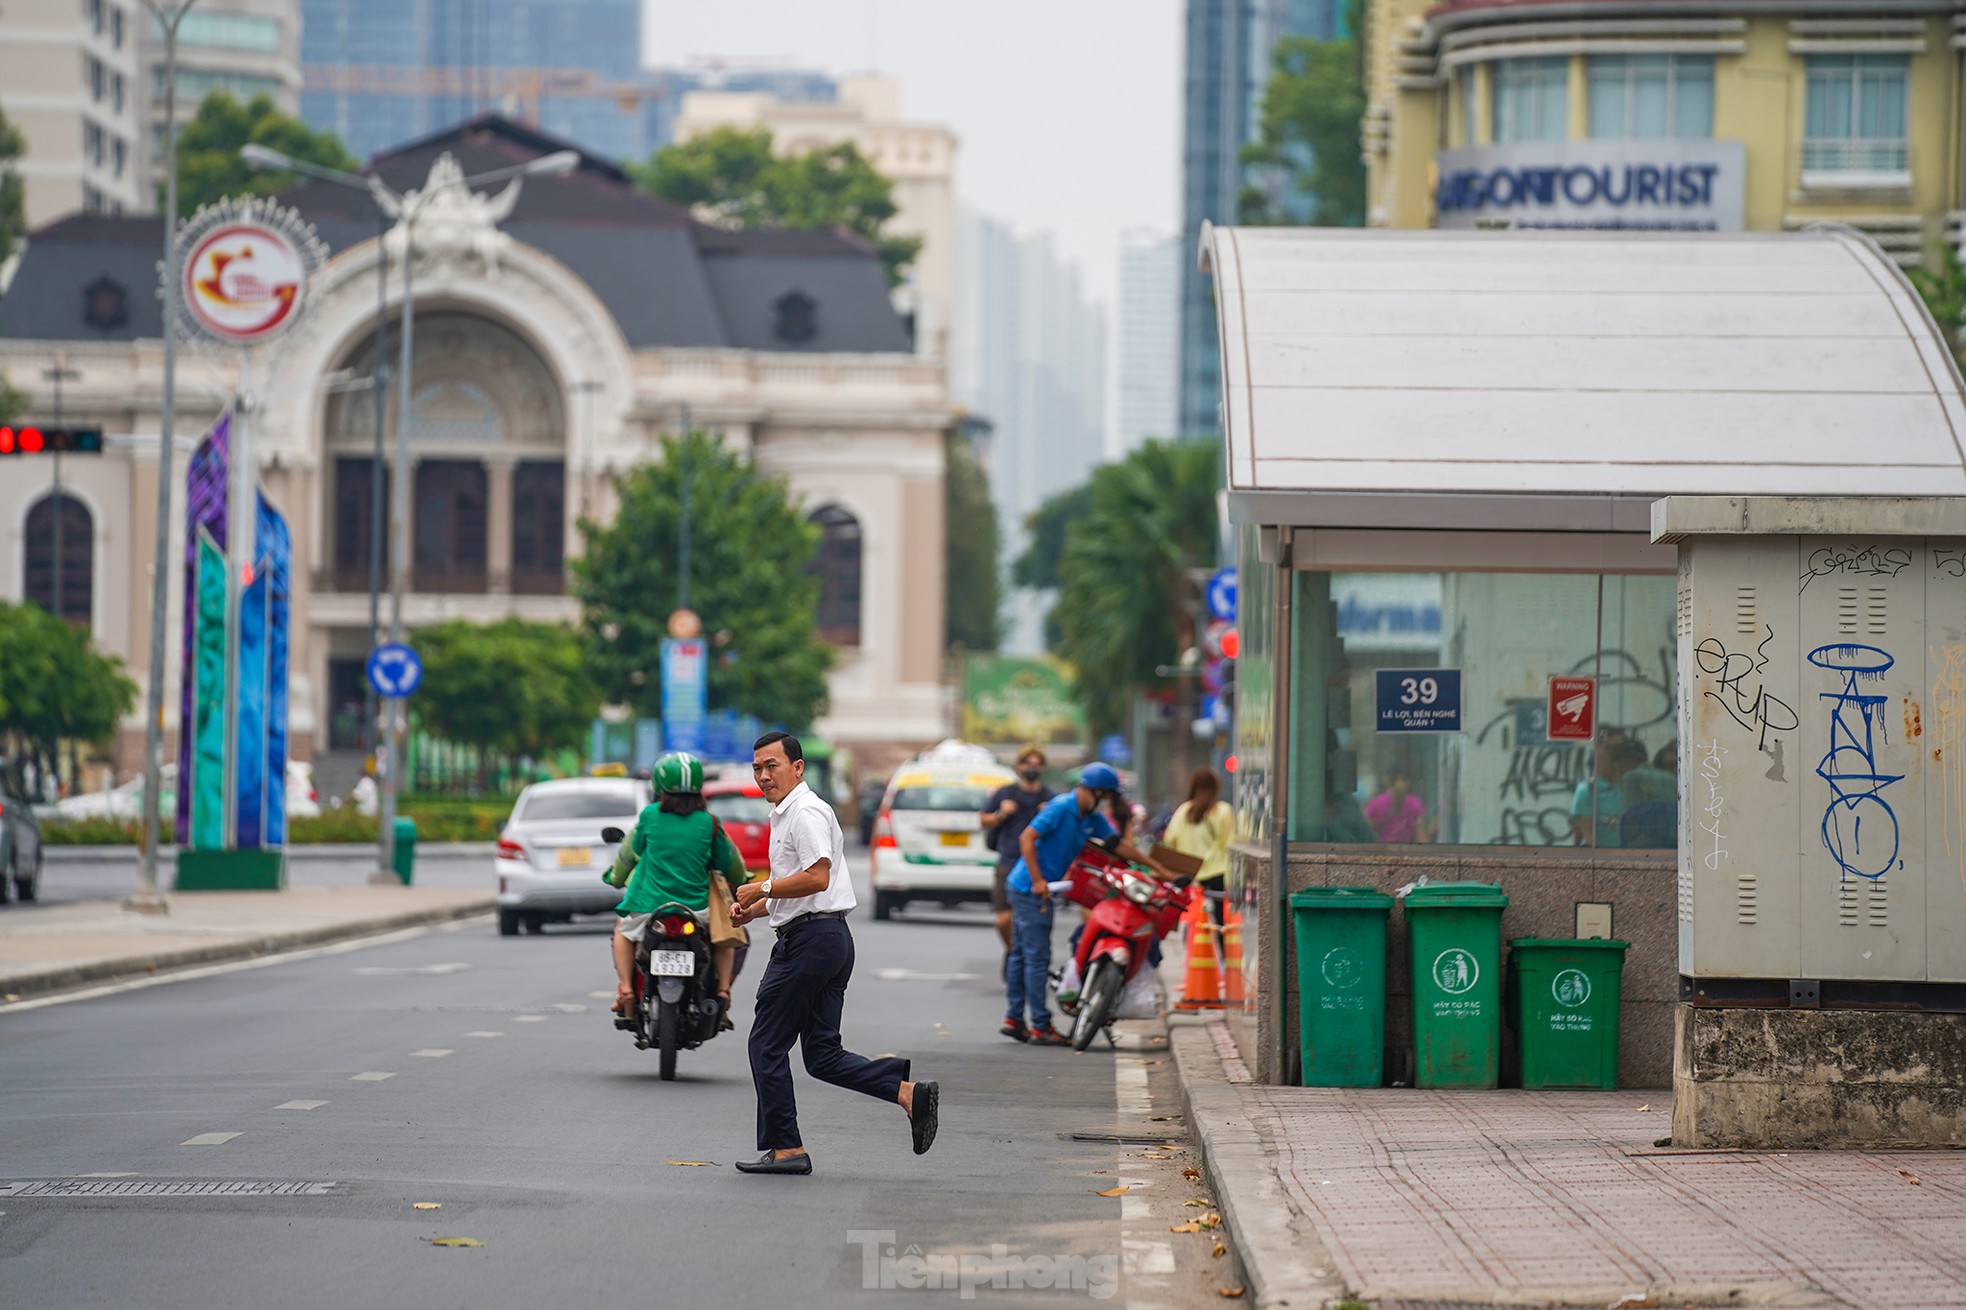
[{"x": 1203, "y": 826}]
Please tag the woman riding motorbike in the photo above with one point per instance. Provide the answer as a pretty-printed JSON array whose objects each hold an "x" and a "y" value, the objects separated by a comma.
[{"x": 676, "y": 847}]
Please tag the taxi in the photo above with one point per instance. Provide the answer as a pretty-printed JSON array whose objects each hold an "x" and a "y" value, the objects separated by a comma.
[{"x": 928, "y": 839}]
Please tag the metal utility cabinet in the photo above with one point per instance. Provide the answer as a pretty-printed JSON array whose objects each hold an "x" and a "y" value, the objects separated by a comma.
[{"x": 1822, "y": 854}]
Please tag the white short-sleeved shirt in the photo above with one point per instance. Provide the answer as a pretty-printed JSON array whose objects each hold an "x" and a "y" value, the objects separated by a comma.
[{"x": 804, "y": 831}]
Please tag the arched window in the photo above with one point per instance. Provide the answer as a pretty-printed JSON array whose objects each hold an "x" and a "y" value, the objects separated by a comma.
[
  {"x": 76, "y": 578},
  {"x": 837, "y": 565}
]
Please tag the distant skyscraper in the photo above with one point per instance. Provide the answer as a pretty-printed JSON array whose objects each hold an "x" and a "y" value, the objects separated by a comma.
[
  {"x": 380, "y": 72},
  {"x": 1229, "y": 43},
  {"x": 1028, "y": 353},
  {"x": 1148, "y": 330}
]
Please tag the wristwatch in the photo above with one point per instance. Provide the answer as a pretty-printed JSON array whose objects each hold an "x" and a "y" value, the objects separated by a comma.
[{"x": 765, "y": 889}]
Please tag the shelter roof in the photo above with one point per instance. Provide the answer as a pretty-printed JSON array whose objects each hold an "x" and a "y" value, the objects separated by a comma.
[{"x": 1565, "y": 380}]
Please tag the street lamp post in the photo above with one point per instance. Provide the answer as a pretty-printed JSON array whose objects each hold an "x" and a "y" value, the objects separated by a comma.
[
  {"x": 57, "y": 375},
  {"x": 405, "y": 207},
  {"x": 169, "y": 13}
]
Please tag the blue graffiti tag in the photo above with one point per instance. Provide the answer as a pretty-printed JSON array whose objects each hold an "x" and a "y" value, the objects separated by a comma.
[{"x": 1849, "y": 766}]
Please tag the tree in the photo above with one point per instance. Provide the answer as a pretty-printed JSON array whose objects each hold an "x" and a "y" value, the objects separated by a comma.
[
  {"x": 510, "y": 688},
  {"x": 56, "y": 687},
  {"x": 1944, "y": 293},
  {"x": 971, "y": 584},
  {"x": 1127, "y": 596},
  {"x": 208, "y": 163},
  {"x": 1309, "y": 137},
  {"x": 750, "y": 552},
  {"x": 1045, "y": 528},
  {"x": 13, "y": 193},
  {"x": 732, "y": 178}
]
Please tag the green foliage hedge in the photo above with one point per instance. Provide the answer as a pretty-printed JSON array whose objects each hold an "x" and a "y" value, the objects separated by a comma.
[{"x": 438, "y": 819}]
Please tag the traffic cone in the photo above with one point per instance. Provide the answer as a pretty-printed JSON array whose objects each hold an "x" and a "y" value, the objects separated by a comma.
[
  {"x": 1202, "y": 988},
  {"x": 1232, "y": 959}
]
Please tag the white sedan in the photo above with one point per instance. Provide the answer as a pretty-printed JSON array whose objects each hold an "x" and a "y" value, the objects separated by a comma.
[{"x": 550, "y": 853}]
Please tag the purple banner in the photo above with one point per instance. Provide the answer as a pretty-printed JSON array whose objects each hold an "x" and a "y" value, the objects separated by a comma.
[{"x": 204, "y": 507}]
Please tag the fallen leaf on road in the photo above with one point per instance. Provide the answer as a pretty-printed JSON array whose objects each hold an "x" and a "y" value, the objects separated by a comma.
[
  {"x": 1191, "y": 1173},
  {"x": 1114, "y": 1191},
  {"x": 1911, "y": 1177},
  {"x": 1646, "y": 1108},
  {"x": 1211, "y": 1220},
  {"x": 1232, "y": 1293},
  {"x": 1190, "y": 1227},
  {"x": 453, "y": 1241},
  {"x": 1219, "y": 1251},
  {"x": 1203, "y": 1204},
  {"x": 427, "y": 1205},
  {"x": 692, "y": 1164},
  {"x": 1145, "y": 1156}
]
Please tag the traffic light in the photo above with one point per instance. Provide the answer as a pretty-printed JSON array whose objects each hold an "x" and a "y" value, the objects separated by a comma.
[{"x": 29, "y": 440}]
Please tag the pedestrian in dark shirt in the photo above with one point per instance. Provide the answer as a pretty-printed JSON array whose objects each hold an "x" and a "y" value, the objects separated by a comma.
[{"x": 1007, "y": 813}]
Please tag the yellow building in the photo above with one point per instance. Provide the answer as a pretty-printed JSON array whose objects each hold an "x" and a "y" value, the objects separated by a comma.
[{"x": 1761, "y": 115}]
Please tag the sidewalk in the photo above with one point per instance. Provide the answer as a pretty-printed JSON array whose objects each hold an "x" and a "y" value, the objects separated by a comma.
[
  {"x": 1398, "y": 1197},
  {"x": 64, "y": 946}
]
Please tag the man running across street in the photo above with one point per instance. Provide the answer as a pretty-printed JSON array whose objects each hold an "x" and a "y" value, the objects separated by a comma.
[
  {"x": 803, "y": 993},
  {"x": 1049, "y": 845}
]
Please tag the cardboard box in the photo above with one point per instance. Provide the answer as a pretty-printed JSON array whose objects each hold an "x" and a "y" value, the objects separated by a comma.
[{"x": 1174, "y": 861}]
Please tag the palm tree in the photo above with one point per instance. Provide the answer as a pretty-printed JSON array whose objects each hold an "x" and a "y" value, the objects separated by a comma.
[{"x": 1129, "y": 590}]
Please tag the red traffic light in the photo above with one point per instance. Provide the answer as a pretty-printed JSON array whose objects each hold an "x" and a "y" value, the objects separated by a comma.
[
  {"x": 1231, "y": 644},
  {"x": 38, "y": 441}
]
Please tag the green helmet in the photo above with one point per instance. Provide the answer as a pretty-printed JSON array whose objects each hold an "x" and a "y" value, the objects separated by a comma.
[{"x": 678, "y": 772}]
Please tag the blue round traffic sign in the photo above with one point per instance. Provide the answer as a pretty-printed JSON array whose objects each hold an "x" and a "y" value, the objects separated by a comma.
[
  {"x": 1222, "y": 595},
  {"x": 394, "y": 669}
]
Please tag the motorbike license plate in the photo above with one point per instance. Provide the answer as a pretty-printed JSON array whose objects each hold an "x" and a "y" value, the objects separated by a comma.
[
  {"x": 672, "y": 964},
  {"x": 955, "y": 839},
  {"x": 575, "y": 857}
]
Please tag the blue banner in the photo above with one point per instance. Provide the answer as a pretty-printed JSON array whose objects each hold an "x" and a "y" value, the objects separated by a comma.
[{"x": 684, "y": 694}]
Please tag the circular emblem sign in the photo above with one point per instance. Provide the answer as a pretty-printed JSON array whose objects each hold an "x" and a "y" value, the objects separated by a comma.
[
  {"x": 243, "y": 282},
  {"x": 1341, "y": 968},
  {"x": 1570, "y": 989},
  {"x": 1455, "y": 971}
]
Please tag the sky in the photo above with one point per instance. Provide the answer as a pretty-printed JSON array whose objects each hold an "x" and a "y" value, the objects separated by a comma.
[{"x": 1067, "y": 111}]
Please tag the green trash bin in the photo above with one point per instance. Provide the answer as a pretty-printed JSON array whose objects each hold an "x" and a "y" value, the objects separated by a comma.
[
  {"x": 1341, "y": 984},
  {"x": 1563, "y": 1004},
  {"x": 1455, "y": 930},
  {"x": 405, "y": 849}
]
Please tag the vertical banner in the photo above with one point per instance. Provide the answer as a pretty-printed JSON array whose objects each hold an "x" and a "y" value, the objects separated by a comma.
[
  {"x": 685, "y": 693},
  {"x": 204, "y": 780},
  {"x": 249, "y": 773},
  {"x": 204, "y": 511},
  {"x": 276, "y": 550}
]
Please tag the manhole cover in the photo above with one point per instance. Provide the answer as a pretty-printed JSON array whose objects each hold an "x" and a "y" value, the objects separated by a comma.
[{"x": 161, "y": 1187}]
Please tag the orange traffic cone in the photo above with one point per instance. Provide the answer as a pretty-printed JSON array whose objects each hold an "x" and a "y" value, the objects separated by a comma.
[
  {"x": 1202, "y": 988},
  {"x": 1232, "y": 961}
]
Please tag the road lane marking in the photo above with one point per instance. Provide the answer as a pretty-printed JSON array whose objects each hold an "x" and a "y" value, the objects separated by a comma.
[
  {"x": 910, "y": 975},
  {"x": 234, "y": 966},
  {"x": 130, "y": 1174},
  {"x": 528, "y": 1018},
  {"x": 602, "y": 996},
  {"x": 300, "y": 1105},
  {"x": 374, "y": 970},
  {"x": 210, "y": 1139},
  {"x": 485, "y": 1032},
  {"x": 565, "y": 1007},
  {"x": 370, "y": 1077},
  {"x": 432, "y": 1052}
]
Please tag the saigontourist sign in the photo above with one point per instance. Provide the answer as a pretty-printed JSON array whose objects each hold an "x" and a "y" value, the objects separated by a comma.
[{"x": 1682, "y": 185}]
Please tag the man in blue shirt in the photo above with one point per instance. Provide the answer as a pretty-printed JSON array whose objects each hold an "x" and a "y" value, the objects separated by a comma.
[{"x": 1046, "y": 849}]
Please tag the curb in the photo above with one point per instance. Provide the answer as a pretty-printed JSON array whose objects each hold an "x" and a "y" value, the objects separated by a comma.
[
  {"x": 324, "y": 851},
  {"x": 1284, "y": 1262},
  {"x": 63, "y": 978}
]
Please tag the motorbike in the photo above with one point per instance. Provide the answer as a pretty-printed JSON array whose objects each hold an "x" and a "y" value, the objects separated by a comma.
[
  {"x": 676, "y": 1007},
  {"x": 1131, "y": 910}
]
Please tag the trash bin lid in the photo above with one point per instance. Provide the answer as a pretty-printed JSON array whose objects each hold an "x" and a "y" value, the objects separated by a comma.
[
  {"x": 1568, "y": 943},
  {"x": 406, "y": 827},
  {"x": 1340, "y": 898},
  {"x": 1457, "y": 896}
]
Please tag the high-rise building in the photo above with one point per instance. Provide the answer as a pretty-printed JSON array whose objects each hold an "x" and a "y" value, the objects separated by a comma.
[
  {"x": 1028, "y": 353},
  {"x": 1229, "y": 44},
  {"x": 919, "y": 158},
  {"x": 1148, "y": 341},
  {"x": 70, "y": 81},
  {"x": 245, "y": 47},
  {"x": 381, "y": 72}
]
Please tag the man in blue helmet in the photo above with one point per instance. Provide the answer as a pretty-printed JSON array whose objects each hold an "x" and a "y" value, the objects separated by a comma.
[{"x": 1046, "y": 849}]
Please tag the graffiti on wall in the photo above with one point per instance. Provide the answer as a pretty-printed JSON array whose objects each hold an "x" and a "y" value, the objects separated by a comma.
[{"x": 1859, "y": 826}]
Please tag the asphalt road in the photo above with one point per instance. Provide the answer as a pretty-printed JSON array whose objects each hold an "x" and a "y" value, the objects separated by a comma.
[{"x": 483, "y": 1075}]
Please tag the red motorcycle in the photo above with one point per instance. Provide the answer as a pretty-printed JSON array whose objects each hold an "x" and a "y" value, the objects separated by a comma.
[{"x": 1131, "y": 911}]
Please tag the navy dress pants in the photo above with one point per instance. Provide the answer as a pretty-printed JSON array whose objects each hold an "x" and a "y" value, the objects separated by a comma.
[{"x": 800, "y": 999}]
